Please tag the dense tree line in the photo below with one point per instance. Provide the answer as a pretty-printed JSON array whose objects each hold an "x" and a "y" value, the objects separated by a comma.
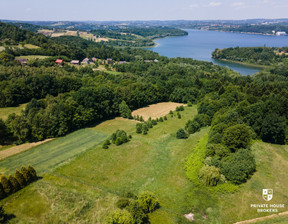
[{"x": 252, "y": 55}]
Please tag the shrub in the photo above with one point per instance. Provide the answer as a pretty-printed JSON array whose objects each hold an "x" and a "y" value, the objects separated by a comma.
[
  {"x": 189, "y": 104},
  {"x": 148, "y": 202},
  {"x": 139, "y": 217},
  {"x": 210, "y": 175},
  {"x": 192, "y": 126},
  {"x": 119, "y": 217},
  {"x": 181, "y": 134},
  {"x": 161, "y": 119},
  {"x": 237, "y": 136},
  {"x": 118, "y": 141},
  {"x": 179, "y": 115},
  {"x": 122, "y": 203},
  {"x": 239, "y": 166},
  {"x": 165, "y": 118},
  {"x": 218, "y": 150},
  {"x": 139, "y": 128},
  {"x": 144, "y": 129},
  {"x": 141, "y": 119},
  {"x": 3, "y": 215}
]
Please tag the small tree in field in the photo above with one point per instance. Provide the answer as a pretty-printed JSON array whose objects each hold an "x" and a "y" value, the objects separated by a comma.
[
  {"x": 32, "y": 172},
  {"x": 148, "y": 202}
]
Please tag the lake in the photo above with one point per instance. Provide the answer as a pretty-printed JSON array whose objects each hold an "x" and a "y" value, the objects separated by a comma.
[{"x": 200, "y": 45}]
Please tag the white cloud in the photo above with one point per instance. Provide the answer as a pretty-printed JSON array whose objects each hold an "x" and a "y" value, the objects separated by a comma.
[
  {"x": 214, "y": 4},
  {"x": 238, "y": 4},
  {"x": 194, "y": 6}
]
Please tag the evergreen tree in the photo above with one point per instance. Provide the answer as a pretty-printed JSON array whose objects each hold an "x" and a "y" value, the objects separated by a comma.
[
  {"x": 181, "y": 134},
  {"x": 7, "y": 186},
  {"x": 32, "y": 172},
  {"x": 179, "y": 115},
  {"x": 20, "y": 178},
  {"x": 161, "y": 119},
  {"x": 2, "y": 192},
  {"x": 141, "y": 119},
  {"x": 15, "y": 184},
  {"x": 26, "y": 174},
  {"x": 139, "y": 128},
  {"x": 144, "y": 129},
  {"x": 165, "y": 118}
]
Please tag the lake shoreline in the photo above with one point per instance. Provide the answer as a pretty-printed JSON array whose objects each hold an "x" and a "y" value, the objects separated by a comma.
[{"x": 262, "y": 67}]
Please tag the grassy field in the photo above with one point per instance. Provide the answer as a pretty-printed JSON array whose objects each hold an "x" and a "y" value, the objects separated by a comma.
[
  {"x": 81, "y": 181},
  {"x": 51, "y": 154},
  {"x": 5, "y": 111},
  {"x": 31, "y": 57}
]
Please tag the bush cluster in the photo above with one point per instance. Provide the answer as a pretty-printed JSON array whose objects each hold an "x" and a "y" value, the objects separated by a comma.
[
  {"x": 134, "y": 211},
  {"x": 12, "y": 184},
  {"x": 118, "y": 138},
  {"x": 143, "y": 128}
]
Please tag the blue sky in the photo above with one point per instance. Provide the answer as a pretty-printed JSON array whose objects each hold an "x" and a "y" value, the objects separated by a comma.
[{"x": 105, "y": 10}]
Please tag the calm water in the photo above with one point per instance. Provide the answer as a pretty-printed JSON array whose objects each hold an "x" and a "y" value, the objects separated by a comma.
[{"x": 200, "y": 44}]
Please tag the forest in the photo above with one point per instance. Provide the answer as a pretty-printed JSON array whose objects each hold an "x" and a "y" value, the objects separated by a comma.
[
  {"x": 266, "y": 56},
  {"x": 238, "y": 109}
]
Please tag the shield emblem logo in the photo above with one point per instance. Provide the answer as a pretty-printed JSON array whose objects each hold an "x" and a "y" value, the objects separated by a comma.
[{"x": 267, "y": 194}]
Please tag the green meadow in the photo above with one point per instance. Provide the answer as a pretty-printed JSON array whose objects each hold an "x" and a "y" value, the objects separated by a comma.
[{"x": 82, "y": 182}]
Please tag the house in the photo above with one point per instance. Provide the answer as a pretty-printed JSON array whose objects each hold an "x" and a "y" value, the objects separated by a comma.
[
  {"x": 75, "y": 62},
  {"x": 148, "y": 61},
  {"x": 86, "y": 61},
  {"x": 59, "y": 61},
  {"x": 156, "y": 60},
  {"x": 280, "y": 33},
  {"x": 109, "y": 61},
  {"x": 22, "y": 61},
  {"x": 94, "y": 59},
  {"x": 122, "y": 62}
]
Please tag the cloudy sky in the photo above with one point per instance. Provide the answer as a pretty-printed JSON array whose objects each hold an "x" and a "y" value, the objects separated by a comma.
[{"x": 141, "y": 9}]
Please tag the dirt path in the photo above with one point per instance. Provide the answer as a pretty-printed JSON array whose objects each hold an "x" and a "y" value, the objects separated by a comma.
[
  {"x": 156, "y": 110},
  {"x": 19, "y": 148},
  {"x": 263, "y": 218}
]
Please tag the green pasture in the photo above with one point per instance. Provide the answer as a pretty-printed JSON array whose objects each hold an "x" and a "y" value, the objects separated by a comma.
[{"x": 51, "y": 154}]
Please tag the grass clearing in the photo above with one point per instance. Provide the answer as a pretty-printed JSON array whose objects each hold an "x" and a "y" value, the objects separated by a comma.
[
  {"x": 33, "y": 57},
  {"x": 51, "y": 154},
  {"x": 5, "y": 111},
  {"x": 156, "y": 110},
  {"x": 10, "y": 151}
]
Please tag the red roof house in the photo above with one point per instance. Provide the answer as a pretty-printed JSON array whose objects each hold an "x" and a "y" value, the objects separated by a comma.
[{"x": 59, "y": 61}]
